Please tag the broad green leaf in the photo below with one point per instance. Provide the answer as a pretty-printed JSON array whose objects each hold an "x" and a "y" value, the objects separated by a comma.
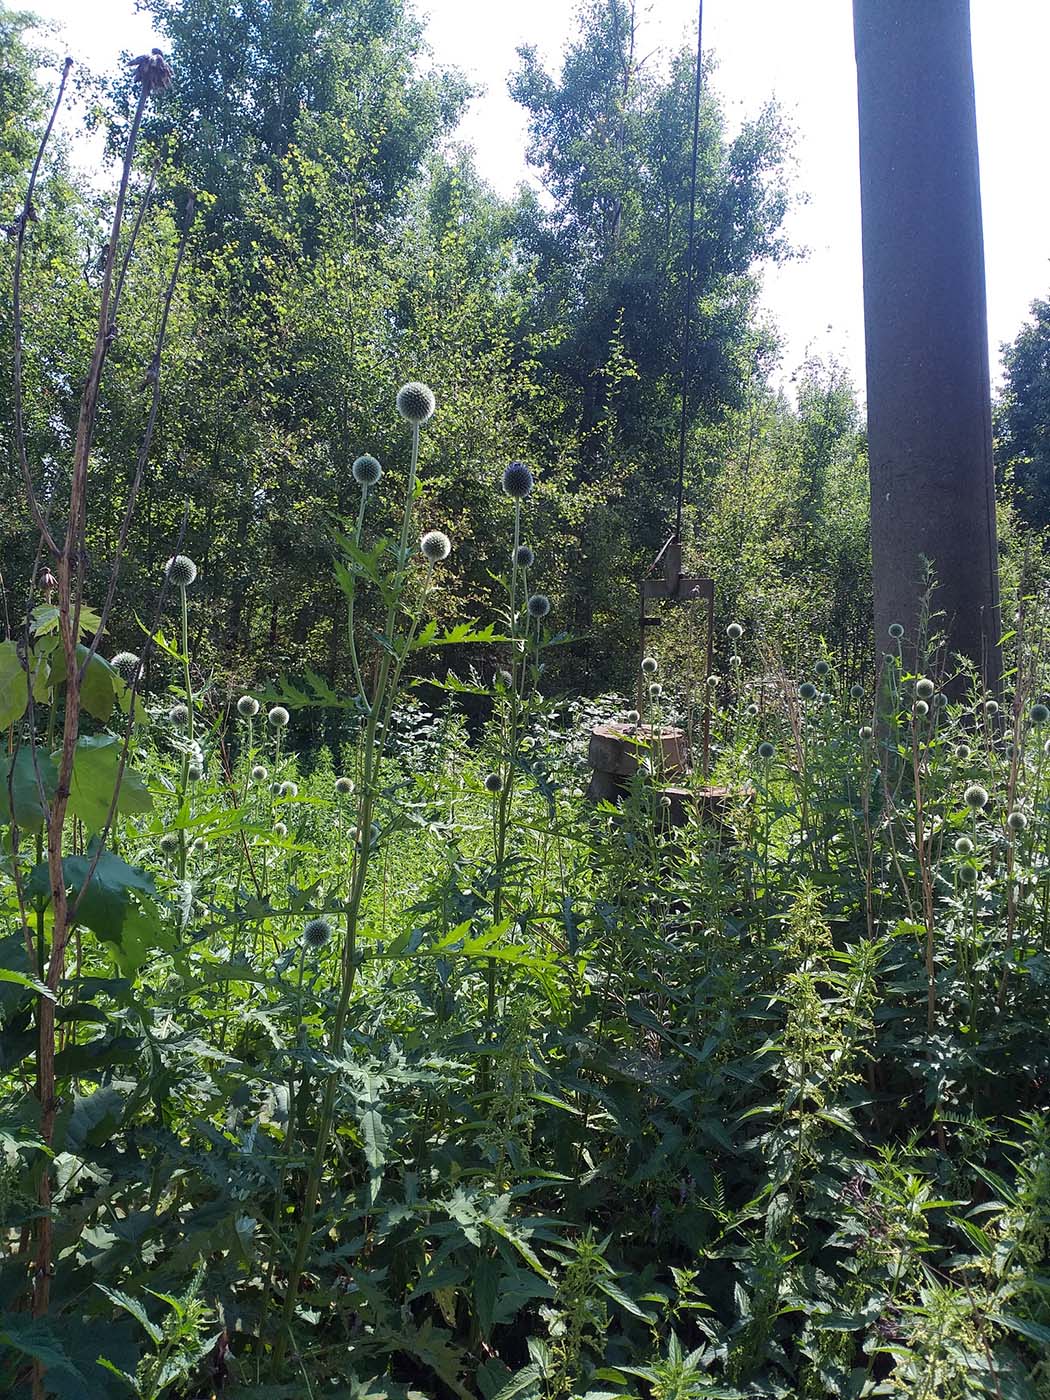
[
  {"x": 373, "y": 1131},
  {"x": 14, "y": 686},
  {"x": 18, "y": 780},
  {"x": 95, "y": 766}
]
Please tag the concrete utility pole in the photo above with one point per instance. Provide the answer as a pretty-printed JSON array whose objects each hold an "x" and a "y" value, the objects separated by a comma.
[{"x": 925, "y": 320}]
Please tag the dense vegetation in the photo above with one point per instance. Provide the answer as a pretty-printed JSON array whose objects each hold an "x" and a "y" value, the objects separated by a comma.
[{"x": 346, "y": 1050}]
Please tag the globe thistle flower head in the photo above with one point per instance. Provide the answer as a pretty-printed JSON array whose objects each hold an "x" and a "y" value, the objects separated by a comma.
[
  {"x": 856, "y": 692},
  {"x": 975, "y": 797},
  {"x": 169, "y": 843},
  {"x": 316, "y": 933},
  {"x": 259, "y": 774},
  {"x": 766, "y": 750},
  {"x": 493, "y": 783},
  {"x": 178, "y": 714},
  {"x": 967, "y": 874},
  {"x": 991, "y": 707},
  {"x": 735, "y": 661},
  {"x": 247, "y": 707},
  {"x": 279, "y": 829},
  {"x": 650, "y": 666},
  {"x": 807, "y": 690},
  {"x": 539, "y": 605},
  {"x": 287, "y": 789},
  {"x": 633, "y": 717},
  {"x": 505, "y": 679},
  {"x": 665, "y": 801},
  {"x": 821, "y": 668},
  {"x": 517, "y": 480},
  {"x": 127, "y": 665},
  {"x": 524, "y": 557},
  {"x": 344, "y": 786},
  {"x": 963, "y": 846},
  {"x": 734, "y": 631},
  {"x": 435, "y": 546},
  {"x": 896, "y": 631},
  {"x": 278, "y": 717},
  {"x": 866, "y": 732},
  {"x": 366, "y": 470},
  {"x": 752, "y": 710},
  {"x": 655, "y": 690},
  {"x": 921, "y": 709},
  {"x": 924, "y": 688},
  {"x": 194, "y": 773},
  {"x": 415, "y": 402},
  {"x": 181, "y": 571},
  {"x": 1017, "y": 821},
  {"x": 1039, "y": 714},
  {"x": 963, "y": 752}
]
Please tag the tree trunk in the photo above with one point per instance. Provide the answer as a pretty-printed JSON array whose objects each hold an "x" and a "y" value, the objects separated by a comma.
[{"x": 929, "y": 407}]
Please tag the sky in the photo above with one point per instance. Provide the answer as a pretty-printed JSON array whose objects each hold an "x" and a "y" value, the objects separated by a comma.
[{"x": 801, "y": 53}]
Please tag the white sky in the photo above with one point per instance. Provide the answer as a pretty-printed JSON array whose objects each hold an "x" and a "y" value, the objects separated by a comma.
[{"x": 801, "y": 51}]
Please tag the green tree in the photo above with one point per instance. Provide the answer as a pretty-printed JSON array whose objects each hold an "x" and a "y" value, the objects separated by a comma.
[{"x": 1022, "y": 419}]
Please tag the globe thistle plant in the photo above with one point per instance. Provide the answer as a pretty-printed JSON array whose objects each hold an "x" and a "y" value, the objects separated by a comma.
[
  {"x": 247, "y": 707},
  {"x": 650, "y": 665},
  {"x": 259, "y": 774},
  {"x": 344, "y": 787},
  {"x": 1039, "y": 714},
  {"x": 921, "y": 709},
  {"x": 181, "y": 571},
  {"x": 287, "y": 789},
  {"x": 766, "y": 750},
  {"x": 127, "y": 666},
  {"x": 316, "y": 934},
  {"x": 194, "y": 772},
  {"x": 963, "y": 846},
  {"x": 524, "y": 557},
  {"x": 896, "y": 631},
  {"x": 280, "y": 830},
  {"x": 655, "y": 690},
  {"x": 866, "y": 732},
  {"x": 435, "y": 546},
  {"x": 821, "y": 668},
  {"x": 924, "y": 688},
  {"x": 169, "y": 843},
  {"x": 633, "y": 717},
  {"x": 179, "y": 714},
  {"x": 539, "y": 605},
  {"x": 734, "y": 631},
  {"x": 415, "y": 403},
  {"x": 493, "y": 783},
  {"x": 517, "y": 480},
  {"x": 366, "y": 470},
  {"x": 1016, "y": 822},
  {"x": 278, "y": 717},
  {"x": 975, "y": 797},
  {"x": 856, "y": 692},
  {"x": 807, "y": 690}
]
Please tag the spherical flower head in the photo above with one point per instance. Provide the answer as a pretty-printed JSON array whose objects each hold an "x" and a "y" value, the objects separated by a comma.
[
  {"x": 896, "y": 631},
  {"x": 821, "y": 668},
  {"x": 924, "y": 688},
  {"x": 991, "y": 707},
  {"x": 169, "y": 843},
  {"x": 856, "y": 692},
  {"x": 665, "y": 801},
  {"x": 517, "y": 480},
  {"x": 963, "y": 752},
  {"x": 366, "y": 470},
  {"x": 633, "y": 716},
  {"x": 735, "y": 661},
  {"x": 734, "y": 631},
  {"x": 539, "y": 605},
  {"x": 344, "y": 787},
  {"x": 178, "y": 714},
  {"x": 975, "y": 797},
  {"x": 127, "y": 665},
  {"x": 752, "y": 710},
  {"x": 279, "y": 829},
  {"x": 866, "y": 732},
  {"x": 435, "y": 546},
  {"x": 316, "y": 933},
  {"x": 259, "y": 774},
  {"x": 505, "y": 679},
  {"x": 247, "y": 707},
  {"x": 194, "y": 773},
  {"x": 650, "y": 666},
  {"x": 1039, "y": 713},
  {"x": 181, "y": 570},
  {"x": 655, "y": 690},
  {"x": 493, "y": 783},
  {"x": 1017, "y": 821},
  {"x": 963, "y": 846},
  {"x": 278, "y": 717},
  {"x": 287, "y": 789},
  {"x": 524, "y": 557},
  {"x": 807, "y": 690},
  {"x": 415, "y": 402},
  {"x": 967, "y": 874},
  {"x": 766, "y": 750},
  {"x": 921, "y": 709}
]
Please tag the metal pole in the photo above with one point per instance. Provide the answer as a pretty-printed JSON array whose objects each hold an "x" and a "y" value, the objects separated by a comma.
[{"x": 929, "y": 409}]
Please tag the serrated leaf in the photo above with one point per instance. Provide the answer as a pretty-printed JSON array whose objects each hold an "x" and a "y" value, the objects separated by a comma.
[
  {"x": 95, "y": 766},
  {"x": 373, "y": 1131},
  {"x": 19, "y": 787},
  {"x": 14, "y": 686}
]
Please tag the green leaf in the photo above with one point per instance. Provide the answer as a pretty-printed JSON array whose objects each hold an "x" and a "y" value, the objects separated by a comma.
[
  {"x": 18, "y": 781},
  {"x": 95, "y": 766},
  {"x": 107, "y": 906},
  {"x": 14, "y": 686},
  {"x": 22, "y": 979},
  {"x": 98, "y": 689},
  {"x": 373, "y": 1131}
]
